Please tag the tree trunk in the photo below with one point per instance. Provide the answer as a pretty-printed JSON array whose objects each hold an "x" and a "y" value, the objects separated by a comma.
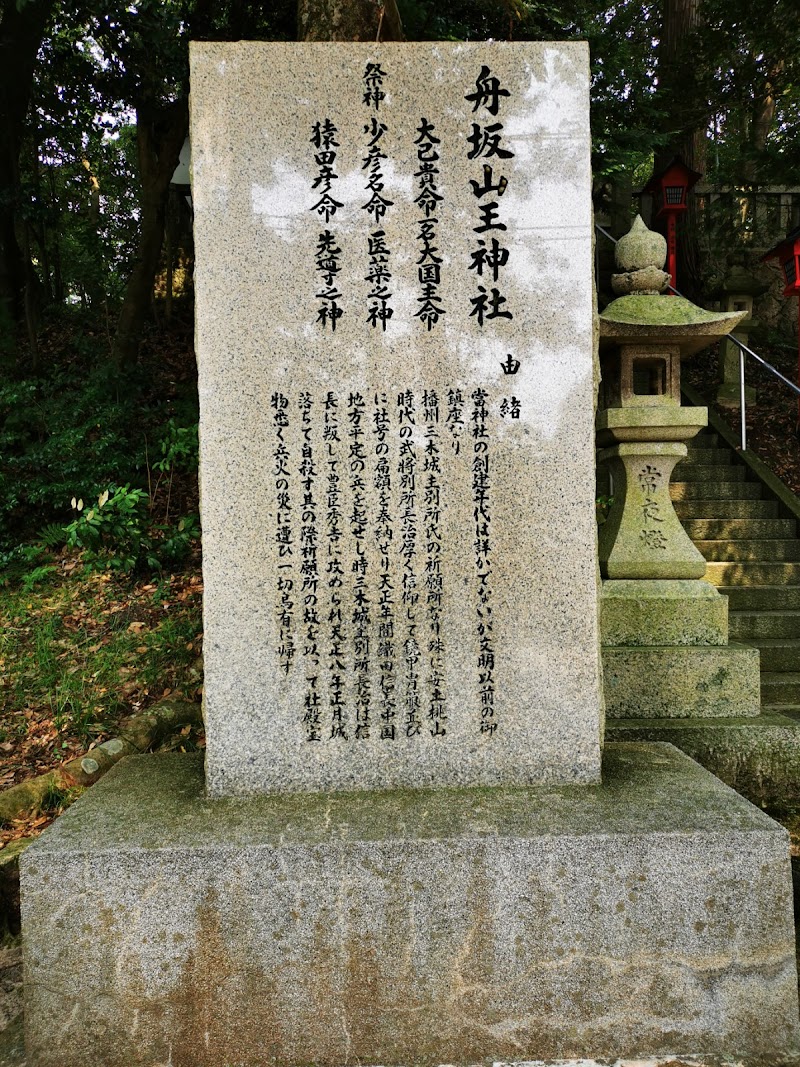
[
  {"x": 159, "y": 139},
  {"x": 22, "y": 28},
  {"x": 762, "y": 119},
  {"x": 348, "y": 20},
  {"x": 684, "y": 103}
]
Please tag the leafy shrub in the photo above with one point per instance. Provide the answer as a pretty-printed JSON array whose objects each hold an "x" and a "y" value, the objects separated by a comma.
[
  {"x": 113, "y": 532},
  {"x": 179, "y": 448},
  {"x": 116, "y": 533}
]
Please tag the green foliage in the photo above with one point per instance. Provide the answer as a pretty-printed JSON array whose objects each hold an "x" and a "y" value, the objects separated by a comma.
[
  {"x": 176, "y": 540},
  {"x": 116, "y": 533},
  {"x": 602, "y": 508},
  {"x": 113, "y": 532},
  {"x": 56, "y": 434},
  {"x": 178, "y": 448},
  {"x": 52, "y": 536},
  {"x": 25, "y": 564},
  {"x": 76, "y": 431},
  {"x": 57, "y": 797}
]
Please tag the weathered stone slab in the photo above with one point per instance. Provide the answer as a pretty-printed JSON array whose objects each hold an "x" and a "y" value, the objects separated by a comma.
[
  {"x": 663, "y": 613},
  {"x": 681, "y": 682},
  {"x": 396, "y": 414},
  {"x": 758, "y": 756},
  {"x": 648, "y": 915}
]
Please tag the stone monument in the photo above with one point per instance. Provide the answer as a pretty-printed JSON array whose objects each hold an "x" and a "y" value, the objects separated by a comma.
[
  {"x": 395, "y": 317},
  {"x": 402, "y": 851}
]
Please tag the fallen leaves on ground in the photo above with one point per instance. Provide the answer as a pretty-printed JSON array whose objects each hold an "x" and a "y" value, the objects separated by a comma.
[{"x": 81, "y": 654}]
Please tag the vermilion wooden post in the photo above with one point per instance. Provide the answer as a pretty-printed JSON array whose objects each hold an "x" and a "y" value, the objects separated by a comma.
[{"x": 672, "y": 249}]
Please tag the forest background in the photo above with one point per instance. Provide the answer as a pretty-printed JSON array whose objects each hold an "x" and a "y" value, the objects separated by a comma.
[{"x": 99, "y": 532}]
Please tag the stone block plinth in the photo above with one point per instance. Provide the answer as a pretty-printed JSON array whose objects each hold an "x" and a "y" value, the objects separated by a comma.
[
  {"x": 679, "y": 682},
  {"x": 648, "y": 915},
  {"x": 758, "y": 756},
  {"x": 663, "y": 613}
]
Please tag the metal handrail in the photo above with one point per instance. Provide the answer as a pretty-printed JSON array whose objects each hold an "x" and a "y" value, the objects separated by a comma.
[{"x": 742, "y": 349}]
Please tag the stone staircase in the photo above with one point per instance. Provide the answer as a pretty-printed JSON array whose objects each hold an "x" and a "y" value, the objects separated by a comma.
[{"x": 753, "y": 554}]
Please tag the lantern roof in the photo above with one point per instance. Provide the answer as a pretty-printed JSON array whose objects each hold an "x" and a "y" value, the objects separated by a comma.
[
  {"x": 672, "y": 320},
  {"x": 784, "y": 245},
  {"x": 676, "y": 169},
  {"x": 738, "y": 279}
]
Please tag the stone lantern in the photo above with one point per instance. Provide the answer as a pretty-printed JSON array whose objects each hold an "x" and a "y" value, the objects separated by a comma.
[
  {"x": 737, "y": 292},
  {"x": 653, "y": 594},
  {"x": 787, "y": 252}
]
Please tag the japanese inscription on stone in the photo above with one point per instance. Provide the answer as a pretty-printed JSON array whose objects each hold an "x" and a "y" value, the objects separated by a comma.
[{"x": 410, "y": 237}]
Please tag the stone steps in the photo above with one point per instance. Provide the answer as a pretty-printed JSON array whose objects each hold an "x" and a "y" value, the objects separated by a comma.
[
  {"x": 710, "y": 472},
  {"x": 753, "y": 573},
  {"x": 753, "y": 556},
  {"x": 716, "y": 457},
  {"x": 711, "y": 508},
  {"x": 748, "y": 550},
  {"x": 739, "y": 529},
  {"x": 755, "y": 625},
  {"x": 778, "y": 654},
  {"x": 780, "y": 687},
  {"x": 680, "y": 490},
  {"x": 705, "y": 440},
  {"x": 762, "y": 598}
]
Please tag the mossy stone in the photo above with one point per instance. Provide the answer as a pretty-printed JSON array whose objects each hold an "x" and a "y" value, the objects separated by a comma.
[{"x": 640, "y": 248}]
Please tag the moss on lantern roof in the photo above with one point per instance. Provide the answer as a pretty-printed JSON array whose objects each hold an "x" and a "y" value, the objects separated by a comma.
[{"x": 660, "y": 311}]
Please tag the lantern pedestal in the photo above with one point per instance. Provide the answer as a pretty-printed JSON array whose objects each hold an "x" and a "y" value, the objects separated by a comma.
[
  {"x": 643, "y": 537},
  {"x": 675, "y": 611},
  {"x": 736, "y": 293}
]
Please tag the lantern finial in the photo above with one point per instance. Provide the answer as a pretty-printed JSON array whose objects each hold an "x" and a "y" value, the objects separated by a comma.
[{"x": 640, "y": 256}]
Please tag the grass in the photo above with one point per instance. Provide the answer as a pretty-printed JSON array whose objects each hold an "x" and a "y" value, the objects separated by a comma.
[{"x": 81, "y": 651}]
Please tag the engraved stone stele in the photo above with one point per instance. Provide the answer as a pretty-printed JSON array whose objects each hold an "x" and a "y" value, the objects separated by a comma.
[
  {"x": 387, "y": 505},
  {"x": 401, "y": 629}
]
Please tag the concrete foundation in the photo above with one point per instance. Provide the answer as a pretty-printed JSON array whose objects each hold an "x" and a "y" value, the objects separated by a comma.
[{"x": 648, "y": 915}]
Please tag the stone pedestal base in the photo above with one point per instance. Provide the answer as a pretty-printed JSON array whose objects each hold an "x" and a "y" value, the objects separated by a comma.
[
  {"x": 690, "y": 612},
  {"x": 729, "y": 394},
  {"x": 757, "y": 756},
  {"x": 681, "y": 682},
  {"x": 646, "y": 916}
]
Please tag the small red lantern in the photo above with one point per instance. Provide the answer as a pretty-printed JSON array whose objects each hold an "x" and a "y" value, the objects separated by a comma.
[
  {"x": 670, "y": 191},
  {"x": 787, "y": 253}
]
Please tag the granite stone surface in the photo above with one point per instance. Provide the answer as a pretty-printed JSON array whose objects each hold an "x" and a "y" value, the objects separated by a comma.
[
  {"x": 648, "y": 915},
  {"x": 643, "y": 538},
  {"x": 675, "y": 682},
  {"x": 758, "y": 756},
  {"x": 663, "y": 613},
  {"x": 394, "y": 340}
]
